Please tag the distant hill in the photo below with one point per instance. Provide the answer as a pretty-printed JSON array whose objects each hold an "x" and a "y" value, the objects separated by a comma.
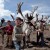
[{"x": 4, "y": 24}]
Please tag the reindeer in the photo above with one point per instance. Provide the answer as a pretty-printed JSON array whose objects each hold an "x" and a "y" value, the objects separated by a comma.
[{"x": 27, "y": 26}]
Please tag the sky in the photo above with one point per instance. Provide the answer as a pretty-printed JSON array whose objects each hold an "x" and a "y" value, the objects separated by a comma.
[{"x": 8, "y": 7}]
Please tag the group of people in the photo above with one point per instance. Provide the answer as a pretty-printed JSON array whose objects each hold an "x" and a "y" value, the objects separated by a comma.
[{"x": 16, "y": 34}]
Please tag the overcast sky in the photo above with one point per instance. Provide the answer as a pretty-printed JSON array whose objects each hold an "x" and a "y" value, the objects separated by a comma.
[{"x": 8, "y": 7}]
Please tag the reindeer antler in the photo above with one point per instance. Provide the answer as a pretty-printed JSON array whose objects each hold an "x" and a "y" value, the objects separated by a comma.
[
  {"x": 12, "y": 17},
  {"x": 2, "y": 21},
  {"x": 42, "y": 17},
  {"x": 19, "y": 9},
  {"x": 37, "y": 17},
  {"x": 35, "y": 8}
]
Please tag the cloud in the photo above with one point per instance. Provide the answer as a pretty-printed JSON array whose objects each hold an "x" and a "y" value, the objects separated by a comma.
[
  {"x": 3, "y": 11},
  {"x": 42, "y": 9}
]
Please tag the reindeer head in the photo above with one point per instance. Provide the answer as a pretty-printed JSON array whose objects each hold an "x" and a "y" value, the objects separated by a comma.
[{"x": 29, "y": 18}]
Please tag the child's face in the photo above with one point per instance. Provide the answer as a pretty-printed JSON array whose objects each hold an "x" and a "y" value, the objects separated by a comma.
[
  {"x": 8, "y": 23},
  {"x": 18, "y": 22}
]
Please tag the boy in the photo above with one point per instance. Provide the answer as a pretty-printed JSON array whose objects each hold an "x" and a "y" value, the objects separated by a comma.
[
  {"x": 9, "y": 30},
  {"x": 17, "y": 33},
  {"x": 40, "y": 32}
]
